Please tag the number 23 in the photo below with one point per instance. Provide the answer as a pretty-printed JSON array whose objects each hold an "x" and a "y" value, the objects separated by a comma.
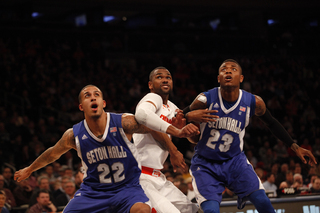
[{"x": 215, "y": 135}]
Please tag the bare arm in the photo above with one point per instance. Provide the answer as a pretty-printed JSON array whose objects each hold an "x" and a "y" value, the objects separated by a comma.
[
  {"x": 279, "y": 131},
  {"x": 50, "y": 155},
  {"x": 176, "y": 157}
]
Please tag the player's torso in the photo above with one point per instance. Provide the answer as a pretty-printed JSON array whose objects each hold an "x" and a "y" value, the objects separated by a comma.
[
  {"x": 151, "y": 154},
  {"x": 110, "y": 161},
  {"x": 223, "y": 139}
]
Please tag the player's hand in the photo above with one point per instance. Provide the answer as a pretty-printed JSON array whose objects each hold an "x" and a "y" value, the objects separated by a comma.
[
  {"x": 179, "y": 121},
  {"x": 22, "y": 174},
  {"x": 301, "y": 153},
  {"x": 201, "y": 116},
  {"x": 177, "y": 161},
  {"x": 188, "y": 131}
]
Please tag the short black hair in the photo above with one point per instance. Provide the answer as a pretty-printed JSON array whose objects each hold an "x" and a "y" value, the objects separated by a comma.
[
  {"x": 89, "y": 85},
  {"x": 234, "y": 61},
  {"x": 43, "y": 191},
  {"x": 152, "y": 72}
]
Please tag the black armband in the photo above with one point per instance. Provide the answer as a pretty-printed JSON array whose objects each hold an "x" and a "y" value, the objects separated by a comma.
[
  {"x": 276, "y": 128},
  {"x": 186, "y": 110}
]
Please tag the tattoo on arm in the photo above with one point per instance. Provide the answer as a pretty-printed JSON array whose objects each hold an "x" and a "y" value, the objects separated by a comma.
[
  {"x": 130, "y": 125},
  {"x": 53, "y": 153}
]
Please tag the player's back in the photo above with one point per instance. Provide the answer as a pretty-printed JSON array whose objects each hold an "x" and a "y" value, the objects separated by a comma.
[
  {"x": 223, "y": 139},
  {"x": 110, "y": 162}
]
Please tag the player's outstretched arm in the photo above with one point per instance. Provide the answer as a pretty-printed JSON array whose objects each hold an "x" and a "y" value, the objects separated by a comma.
[
  {"x": 279, "y": 131},
  {"x": 48, "y": 156}
]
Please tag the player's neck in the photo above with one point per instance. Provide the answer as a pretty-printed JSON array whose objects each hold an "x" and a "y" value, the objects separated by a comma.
[
  {"x": 97, "y": 125},
  {"x": 229, "y": 95},
  {"x": 165, "y": 99}
]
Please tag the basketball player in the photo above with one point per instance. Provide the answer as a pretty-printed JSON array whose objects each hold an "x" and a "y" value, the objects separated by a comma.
[
  {"x": 112, "y": 170},
  {"x": 219, "y": 160},
  {"x": 157, "y": 112}
]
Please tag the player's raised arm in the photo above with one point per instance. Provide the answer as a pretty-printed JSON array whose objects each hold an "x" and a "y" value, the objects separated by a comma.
[{"x": 50, "y": 155}]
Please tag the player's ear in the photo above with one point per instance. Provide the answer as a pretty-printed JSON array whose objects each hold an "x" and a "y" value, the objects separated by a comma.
[
  {"x": 241, "y": 78},
  {"x": 150, "y": 85},
  {"x": 80, "y": 107},
  {"x": 218, "y": 77},
  {"x": 104, "y": 104}
]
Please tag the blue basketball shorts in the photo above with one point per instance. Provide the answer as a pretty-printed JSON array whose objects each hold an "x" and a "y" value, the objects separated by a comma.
[
  {"x": 211, "y": 177},
  {"x": 88, "y": 200}
]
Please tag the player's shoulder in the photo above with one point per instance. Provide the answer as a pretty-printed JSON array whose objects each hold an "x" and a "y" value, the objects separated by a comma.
[{"x": 152, "y": 97}]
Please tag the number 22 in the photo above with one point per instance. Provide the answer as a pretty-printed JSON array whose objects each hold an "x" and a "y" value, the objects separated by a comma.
[{"x": 104, "y": 168}]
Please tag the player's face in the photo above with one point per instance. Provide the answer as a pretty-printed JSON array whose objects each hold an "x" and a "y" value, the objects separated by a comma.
[
  {"x": 161, "y": 82},
  {"x": 230, "y": 75},
  {"x": 92, "y": 102}
]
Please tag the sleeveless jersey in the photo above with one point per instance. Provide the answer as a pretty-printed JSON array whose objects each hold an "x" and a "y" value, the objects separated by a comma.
[
  {"x": 151, "y": 154},
  {"x": 223, "y": 139},
  {"x": 110, "y": 162}
]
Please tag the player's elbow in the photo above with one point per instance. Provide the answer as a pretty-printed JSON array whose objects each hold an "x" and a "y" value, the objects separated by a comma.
[{"x": 141, "y": 116}]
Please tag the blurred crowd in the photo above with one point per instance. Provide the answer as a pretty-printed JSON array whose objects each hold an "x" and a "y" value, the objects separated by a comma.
[{"x": 41, "y": 78}]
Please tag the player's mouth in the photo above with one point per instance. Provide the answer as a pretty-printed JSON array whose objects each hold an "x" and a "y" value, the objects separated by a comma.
[
  {"x": 228, "y": 78},
  {"x": 94, "y": 107},
  {"x": 165, "y": 86}
]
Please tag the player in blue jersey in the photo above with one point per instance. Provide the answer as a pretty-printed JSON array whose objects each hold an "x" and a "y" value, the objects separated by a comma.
[
  {"x": 219, "y": 160},
  {"x": 112, "y": 168}
]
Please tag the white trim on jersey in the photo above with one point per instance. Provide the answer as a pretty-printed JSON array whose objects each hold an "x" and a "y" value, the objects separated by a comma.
[
  {"x": 226, "y": 111},
  {"x": 131, "y": 146},
  {"x": 84, "y": 166},
  {"x": 105, "y": 131}
]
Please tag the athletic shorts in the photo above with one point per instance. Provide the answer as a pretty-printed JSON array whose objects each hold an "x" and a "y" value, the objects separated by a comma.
[
  {"x": 211, "y": 177},
  {"x": 88, "y": 200},
  {"x": 166, "y": 197}
]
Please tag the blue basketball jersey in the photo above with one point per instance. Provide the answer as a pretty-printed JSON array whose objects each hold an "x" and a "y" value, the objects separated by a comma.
[
  {"x": 223, "y": 139},
  {"x": 110, "y": 162}
]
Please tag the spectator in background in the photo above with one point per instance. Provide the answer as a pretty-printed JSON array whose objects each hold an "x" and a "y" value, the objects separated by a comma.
[
  {"x": 281, "y": 152},
  {"x": 298, "y": 181},
  {"x": 316, "y": 148},
  {"x": 282, "y": 174},
  {"x": 289, "y": 178},
  {"x": 49, "y": 172},
  {"x": 10, "y": 200},
  {"x": 315, "y": 186},
  {"x": 78, "y": 178},
  {"x": 43, "y": 204},
  {"x": 60, "y": 190},
  {"x": 69, "y": 189},
  {"x": 269, "y": 185},
  {"x": 43, "y": 183},
  {"x": 283, "y": 185},
  {"x": 9, "y": 183},
  {"x": 3, "y": 209},
  {"x": 22, "y": 193},
  {"x": 263, "y": 150},
  {"x": 252, "y": 159}
]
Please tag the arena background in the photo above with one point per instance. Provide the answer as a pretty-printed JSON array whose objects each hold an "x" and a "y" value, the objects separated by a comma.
[{"x": 50, "y": 49}]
